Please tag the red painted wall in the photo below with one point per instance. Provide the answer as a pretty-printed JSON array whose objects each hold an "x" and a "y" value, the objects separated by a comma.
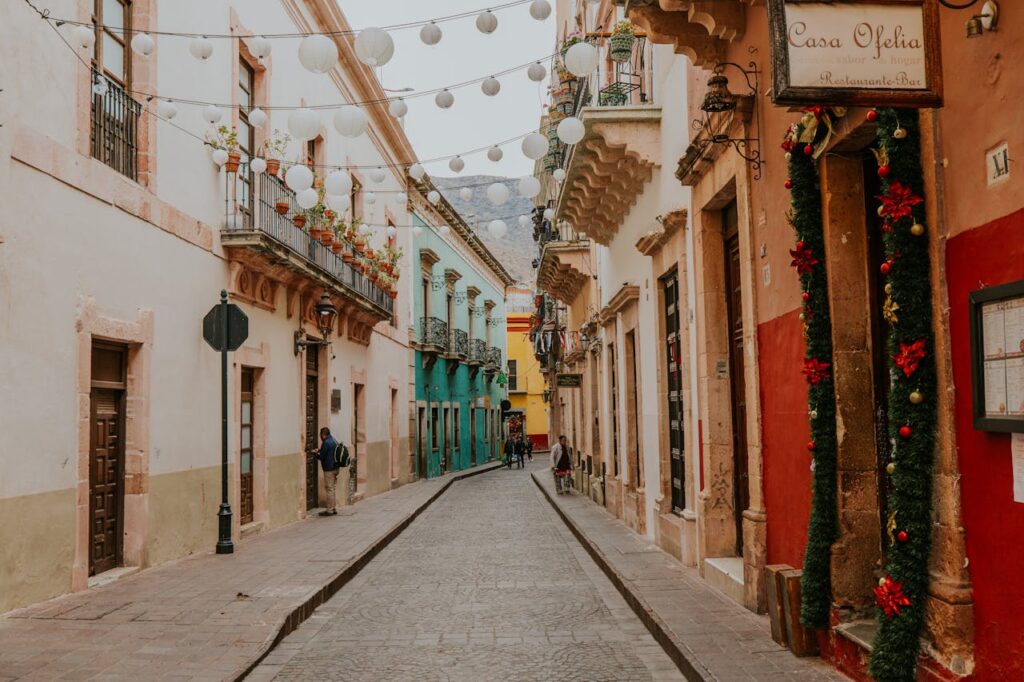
[
  {"x": 784, "y": 435},
  {"x": 989, "y": 255}
]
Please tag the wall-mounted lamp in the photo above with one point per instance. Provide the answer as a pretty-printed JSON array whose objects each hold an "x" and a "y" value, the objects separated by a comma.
[
  {"x": 326, "y": 314},
  {"x": 988, "y": 20},
  {"x": 720, "y": 99}
]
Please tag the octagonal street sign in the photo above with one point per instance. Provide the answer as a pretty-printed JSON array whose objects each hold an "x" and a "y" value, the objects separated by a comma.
[{"x": 213, "y": 327}]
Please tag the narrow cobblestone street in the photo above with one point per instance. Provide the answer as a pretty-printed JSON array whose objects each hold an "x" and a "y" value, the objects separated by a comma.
[{"x": 487, "y": 584}]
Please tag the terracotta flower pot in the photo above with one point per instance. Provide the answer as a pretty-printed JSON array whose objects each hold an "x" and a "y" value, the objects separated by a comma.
[
  {"x": 314, "y": 233},
  {"x": 234, "y": 158},
  {"x": 329, "y": 216},
  {"x": 327, "y": 237},
  {"x": 347, "y": 256},
  {"x": 336, "y": 247},
  {"x": 281, "y": 206},
  {"x": 360, "y": 249},
  {"x": 299, "y": 220},
  {"x": 393, "y": 294},
  {"x": 273, "y": 166}
]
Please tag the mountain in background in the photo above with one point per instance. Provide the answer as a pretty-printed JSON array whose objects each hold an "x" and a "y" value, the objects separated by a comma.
[{"x": 516, "y": 250}]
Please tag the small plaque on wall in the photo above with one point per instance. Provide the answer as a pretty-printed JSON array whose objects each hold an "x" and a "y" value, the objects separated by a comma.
[
  {"x": 997, "y": 357},
  {"x": 336, "y": 400}
]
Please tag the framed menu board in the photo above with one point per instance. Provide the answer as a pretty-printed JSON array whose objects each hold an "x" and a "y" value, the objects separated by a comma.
[{"x": 997, "y": 356}]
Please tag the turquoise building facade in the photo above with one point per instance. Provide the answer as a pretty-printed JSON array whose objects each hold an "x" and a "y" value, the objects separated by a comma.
[{"x": 459, "y": 342}]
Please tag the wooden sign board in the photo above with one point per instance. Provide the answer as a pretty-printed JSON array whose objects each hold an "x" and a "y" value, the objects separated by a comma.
[
  {"x": 569, "y": 380},
  {"x": 856, "y": 53}
]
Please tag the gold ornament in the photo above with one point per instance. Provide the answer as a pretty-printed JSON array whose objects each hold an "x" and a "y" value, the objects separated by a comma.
[
  {"x": 881, "y": 210},
  {"x": 890, "y": 528},
  {"x": 889, "y": 309},
  {"x": 814, "y": 414},
  {"x": 803, "y": 316},
  {"x": 788, "y": 156},
  {"x": 890, "y": 468},
  {"x": 899, "y": 133},
  {"x": 888, "y": 288},
  {"x": 916, "y": 398},
  {"x": 917, "y": 229}
]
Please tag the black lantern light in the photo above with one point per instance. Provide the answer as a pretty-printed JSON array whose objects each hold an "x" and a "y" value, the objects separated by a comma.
[
  {"x": 326, "y": 314},
  {"x": 718, "y": 97}
]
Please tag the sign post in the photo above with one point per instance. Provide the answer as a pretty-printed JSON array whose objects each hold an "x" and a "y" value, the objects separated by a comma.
[{"x": 225, "y": 328}]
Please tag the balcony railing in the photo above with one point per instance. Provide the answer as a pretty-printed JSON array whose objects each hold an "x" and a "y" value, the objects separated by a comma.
[
  {"x": 477, "y": 351},
  {"x": 460, "y": 343},
  {"x": 115, "y": 128},
  {"x": 494, "y": 358},
  {"x": 257, "y": 213},
  {"x": 433, "y": 333}
]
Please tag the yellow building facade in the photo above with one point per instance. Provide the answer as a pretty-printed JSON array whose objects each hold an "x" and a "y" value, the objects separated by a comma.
[{"x": 529, "y": 413}]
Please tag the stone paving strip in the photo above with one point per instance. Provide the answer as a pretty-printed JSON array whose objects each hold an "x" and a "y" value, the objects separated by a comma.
[
  {"x": 208, "y": 617},
  {"x": 707, "y": 634}
]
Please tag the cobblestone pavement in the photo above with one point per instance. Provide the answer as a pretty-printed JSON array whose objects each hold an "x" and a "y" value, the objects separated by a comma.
[{"x": 487, "y": 584}]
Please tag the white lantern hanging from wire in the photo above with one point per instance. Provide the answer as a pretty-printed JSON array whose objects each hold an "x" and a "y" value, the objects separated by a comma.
[
  {"x": 495, "y": 154},
  {"x": 498, "y": 193},
  {"x": 212, "y": 114},
  {"x": 401, "y": 198},
  {"x": 559, "y": 174},
  {"x": 374, "y": 46},
  {"x": 369, "y": 198},
  {"x": 307, "y": 198},
  {"x": 259, "y": 47},
  {"x": 417, "y": 230},
  {"x": 433, "y": 196},
  {"x": 258, "y": 165},
  {"x": 571, "y": 130},
  {"x": 338, "y": 183},
  {"x": 524, "y": 221},
  {"x": 377, "y": 175},
  {"x": 444, "y": 99},
  {"x": 142, "y": 44},
  {"x": 391, "y": 231},
  {"x": 490, "y": 86},
  {"x": 99, "y": 88},
  {"x": 535, "y": 146},
  {"x": 338, "y": 203},
  {"x": 257, "y": 117},
  {"x": 487, "y": 22},
  {"x": 318, "y": 53},
  {"x": 299, "y": 178},
  {"x": 537, "y": 72},
  {"x": 444, "y": 230},
  {"x": 219, "y": 156},
  {"x": 466, "y": 194},
  {"x": 85, "y": 36},
  {"x": 529, "y": 186},
  {"x": 398, "y": 108},
  {"x": 304, "y": 124},
  {"x": 417, "y": 172},
  {"x": 581, "y": 59},
  {"x": 351, "y": 121},
  {"x": 549, "y": 213},
  {"x": 201, "y": 48},
  {"x": 457, "y": 164},
  {"x": 430, "y": 34},
  {"x": 497, "y": 228},
  {"x": 166, "y": 109},
  {"x": 365, "y": 229},
  {"x": 540, "y": 9}
]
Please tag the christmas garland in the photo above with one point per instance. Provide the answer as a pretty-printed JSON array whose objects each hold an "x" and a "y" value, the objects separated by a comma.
[
  {"x": 900, "y": 595},
  {"x": 803, "y": 143}
]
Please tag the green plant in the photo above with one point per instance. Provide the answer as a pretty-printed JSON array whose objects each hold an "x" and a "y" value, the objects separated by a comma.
[
  {"x": 622, "y": 27},
  {"x": 276, "y": 144},
  {"x": 223, "y": 137}
]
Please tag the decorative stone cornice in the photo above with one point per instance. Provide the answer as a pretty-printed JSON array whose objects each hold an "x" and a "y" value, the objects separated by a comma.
[
  {"x": 451, "y": 275},
  {"x": 561, "y": 272},
  {"x": 472, "y": 291},
  {"x": 699, "y": 29},
  {"x": 627, "y": 295},
  {"x": 653, "y": 241},
  {"x": 429, "y": 257}
]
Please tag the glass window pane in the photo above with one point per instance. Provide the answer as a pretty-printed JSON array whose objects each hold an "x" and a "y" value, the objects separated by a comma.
[
  {"x": 113, "y": 56},
  {"x": 246, "y": 462},
  {"x": 246, "y": 437},
  {"x": 244, "y": 98},
  {"x": 113, "y": 14},
  {"x": 245, "y": 136},
  {"x": 247, "y": 413}
]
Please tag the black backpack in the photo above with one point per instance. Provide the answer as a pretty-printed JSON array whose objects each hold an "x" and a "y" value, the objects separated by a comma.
[{"x": 341, "y": 457}]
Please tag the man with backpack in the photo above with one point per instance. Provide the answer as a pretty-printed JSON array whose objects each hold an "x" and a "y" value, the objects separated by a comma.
[
  {"x": 561, "y": 464},
  {"x": 331, "y": 455}
]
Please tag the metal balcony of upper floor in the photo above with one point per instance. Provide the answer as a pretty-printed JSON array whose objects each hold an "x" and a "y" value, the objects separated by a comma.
[
  {"x": 492, "y": 361},
  {"x": 458, "y": 349}
]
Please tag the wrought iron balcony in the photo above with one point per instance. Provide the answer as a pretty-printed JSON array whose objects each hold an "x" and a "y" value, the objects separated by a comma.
[
  {"x": 493, "y": 360},
  {"x": 458, "y": 347},
  {"x": 115, "y": 128},
  {"x": 433, "y": 335},
  {"x": 477, "y": 352}
]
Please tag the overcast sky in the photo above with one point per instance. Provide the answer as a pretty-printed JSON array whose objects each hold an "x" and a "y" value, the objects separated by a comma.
[{"x": 463, "y": 54}]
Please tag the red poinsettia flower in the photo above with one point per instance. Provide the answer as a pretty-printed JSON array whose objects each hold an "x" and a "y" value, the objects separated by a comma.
[
  {"x": 898, "y": 202},
  {"x": 803, "y": 260},
  {"x": 889, "y": 596},
  {"x": 816, "y": 371},
  {"x": 910, "y": 356}
]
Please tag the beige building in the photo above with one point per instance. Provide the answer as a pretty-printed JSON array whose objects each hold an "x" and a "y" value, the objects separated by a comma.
[{"x": 118, "y": 233}]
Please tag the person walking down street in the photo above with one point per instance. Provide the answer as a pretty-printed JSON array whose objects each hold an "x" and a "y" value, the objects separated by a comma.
[
  {"x": 561, "y": 464},
  {"x": 529, "y": 449},
  {"x": 510, "y": 451},
  {"x": 520, "y": 452},
  {"x": 327, "y": 456}
]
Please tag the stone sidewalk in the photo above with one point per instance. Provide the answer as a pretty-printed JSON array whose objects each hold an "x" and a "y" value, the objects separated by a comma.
[
  {"x": 207, "y": 617},
  {"x": 709, "y": 636}
]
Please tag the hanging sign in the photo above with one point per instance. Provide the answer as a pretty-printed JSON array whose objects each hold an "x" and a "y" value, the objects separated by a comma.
[
  {"x": 855, "y": 52},
  {"x": 569, "y": 380}
]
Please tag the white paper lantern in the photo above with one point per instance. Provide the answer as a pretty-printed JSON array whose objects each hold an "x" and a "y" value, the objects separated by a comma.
[
  {"x": 581, "y": 59},
  {"x": 338, "y": 183},
  {"x": 99, "y": 88},
  {"x": 377, "y": 175},
  {"x": 498, "y": 193},
  {"x": 369, "y": 198},
  {"x": 338, "y": 203},
  {"x": 142, "y": 44},
  {"x": 549, "y": 213},
  {"x": 212, "y": 114},
  {"x": 540, "y": 9},
  {"x": 307, "y": 198},
  {"x": 304, "y": 124},
  {"x": 374, "y": 46},
  {"x": 571, "y": 130},
  {"x": 417, "y": 172},
  {"x": 391, "y": 231},
  {"x": 318, "y": 53},
  {"x": 398, "y": 108},
  {"x": 487, "y": 22},
  {"x": 85, "y": 36},
  {"x": 257, "y": 117},
  {"x": 201, "y": 48},
  {"x": 220, "y": 156},
  {"x": 258, "y": 165},
  {"x": 430, "y": 34},
  {"x": 537, "y": 72},
  {"x": 351, "y": 121},
  {"x": 535, "y": 146},
  {"x": 299, "y": 178},
  {"x": 401, "y": 198},
  {"x": 457, "y": 164},
  {"x": 433, "y": 196},
  {"x": 524, "y": 221},
  {"x": 490, "y": 86},
  {"x": 444, "y": 99},
  {"x": 495, "y": 154},
  {"x": 444, "y": 230},
  {"x": 497, "y": 228},
  {"x": 529, "y": 186},
  {"x": 259, "y": 47},
  {"x": 166, "y": 109},
  {"x": 558, "y": 175},
  {"x": 466, "y": 194},
  {"x": 365, "y": 229},
  {"x": 417, "y": 230}
]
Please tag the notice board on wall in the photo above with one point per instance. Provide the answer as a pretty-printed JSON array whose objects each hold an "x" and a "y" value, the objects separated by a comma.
[{"x": 997, "y": 357}]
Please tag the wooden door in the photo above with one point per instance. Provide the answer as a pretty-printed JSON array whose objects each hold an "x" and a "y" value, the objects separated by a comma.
[
  {"x": 421, "y": 451},
  {"x": 245, "y": 486},
  {"x": 737, "y": 370},
  {"x": 674, "y": 384},
  {"x": 106, "y": 478},
  {"x": 472, "y": 436},
  {"x": 312, "y": 428}
]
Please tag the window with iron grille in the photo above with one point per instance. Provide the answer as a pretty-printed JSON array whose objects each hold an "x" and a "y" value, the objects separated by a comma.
[
  {"x": 115, "y": 114},
  {"x": 513, "y": 376},
  {"x": 246, "y": 138}
]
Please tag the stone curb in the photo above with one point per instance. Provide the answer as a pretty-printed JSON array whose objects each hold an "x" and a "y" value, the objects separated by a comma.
[
  {"x": 680, "y": 654},
  {"x": 303, "y": 611}
]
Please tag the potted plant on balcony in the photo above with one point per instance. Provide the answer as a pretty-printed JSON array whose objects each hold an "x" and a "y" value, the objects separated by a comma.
[
  {"x": 570, "y": 40},
  {"x": 299, "y": 219},
  {"x": 281, "y": 206},
  {"x": 621, "y": 42},
  {"x": 223, "y": 137},
  {"x": 392, "y": 257},
  {"x": 274, "y": 149}
]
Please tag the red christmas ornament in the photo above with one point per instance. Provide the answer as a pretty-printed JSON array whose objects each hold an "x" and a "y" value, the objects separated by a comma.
[
  {"x": 810, "y": 445},
  {"x": 803, "y": 259},
  {"x": 808, "y": 150},
  {"x": 805, "y": 296},
  {"x": 815, "y": 371},
  {"x": 909, "y": 357},
  {"x": 800, "y": 245},
  {"x": 789, "y": 184},
  {"x": 886, "y": 267},
  {"x": 902, "y": 536},
  {"x": 886, "y": 227},
  {"x": 883, "y": 171},
  {"x": 872, "y": 115},
  {"x": 889, "y": 597},
  {"x": 906, "y": 431},
  {"x": 898, "y": 202}
]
